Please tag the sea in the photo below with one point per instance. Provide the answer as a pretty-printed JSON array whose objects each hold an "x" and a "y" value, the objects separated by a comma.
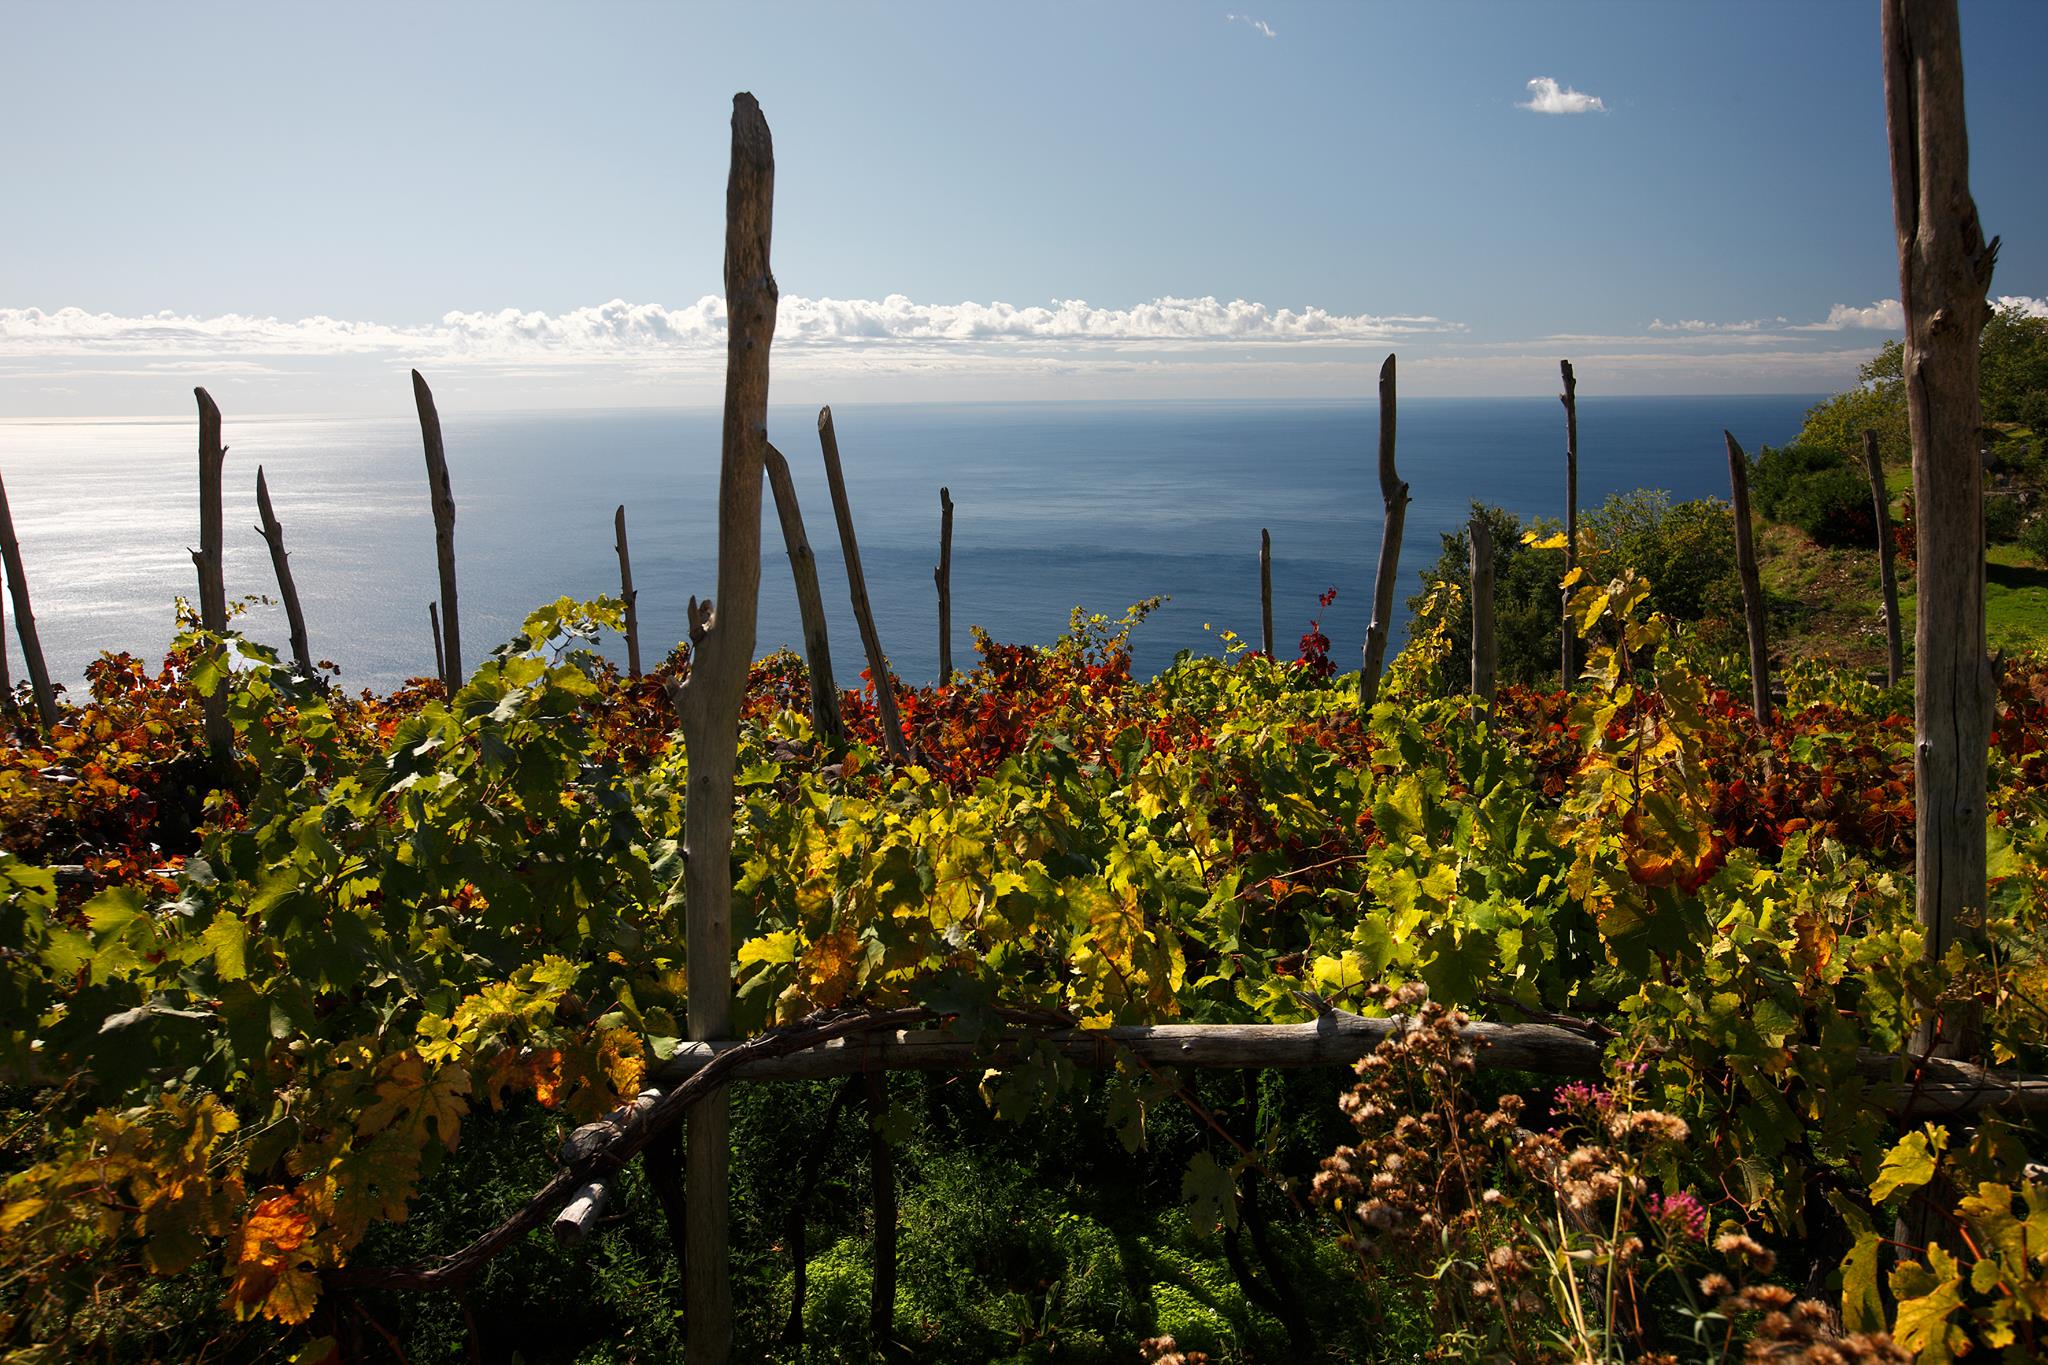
[{"x": 1094, "y": 505}]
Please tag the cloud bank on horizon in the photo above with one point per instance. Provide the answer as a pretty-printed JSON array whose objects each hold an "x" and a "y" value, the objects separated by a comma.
[{"x": 67, "y": 359}]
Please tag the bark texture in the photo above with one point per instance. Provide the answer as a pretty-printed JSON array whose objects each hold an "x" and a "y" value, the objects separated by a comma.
[
  {"x": 943, "y": 576},
  {"x": 709, "y": 705},
  {"x": 1881, "y": 512},
  {"x": 272, "y": 531},
  {"x": 1945, "y": 267},
  {"x": 1752, "y": 586},
  {"x": 1569, "y": 635},
  {"x": 810, "y": 604},
  {"x": 857, "y": 586},
  {"x": 450, "y": 633},
  {"x": 213, "y": 593},
  {"x": 25, "y": 618},
  {"x": 627, "y": 594},
  {"x": 1394, "y": 498},
  {"x": 1266, "y": 591}
]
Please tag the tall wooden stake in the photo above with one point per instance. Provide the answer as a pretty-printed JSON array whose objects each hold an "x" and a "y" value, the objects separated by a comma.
[
  {"x": 213, "y": 593},
  {"x": 1394, "y": 497},
  {"x": 6, "y": 677},
  {"x": 1752, "y": 586},
  {"x": 943, "y": 576},
  {"x": 25, "y": 618},
  {"x": 444, "y": 532},
  {"x": 857, "y": 585},
  {"x": 1881, "y": 509},
  {"x": 810, "y": 605},
  {"x": 1266, "y": 591},
  {"x": 440, "y": 656},
  {"x": 272, "y": 531},
  {"x": 632, "y": 598},
  {"x": 1945, "y": 270},
  {"x": 708, "y": 703},
  {"x": 1569, "y": 652},
  {"x": 882, "y": 1171},
  {"x": 1484, "y": 655}
]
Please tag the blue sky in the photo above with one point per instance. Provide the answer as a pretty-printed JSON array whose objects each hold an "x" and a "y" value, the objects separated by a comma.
[{"x": 294, "y": 203}]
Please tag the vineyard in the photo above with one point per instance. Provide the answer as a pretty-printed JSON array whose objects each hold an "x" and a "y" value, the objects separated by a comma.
[{"x": 1679, "y": 1009}]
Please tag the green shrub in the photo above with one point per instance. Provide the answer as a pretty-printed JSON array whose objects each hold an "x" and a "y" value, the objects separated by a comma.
[
  {"x": 2034, "y": 538},
  {"x": 1816, "y": 489},
  {"x": 2002, "y": 518}
]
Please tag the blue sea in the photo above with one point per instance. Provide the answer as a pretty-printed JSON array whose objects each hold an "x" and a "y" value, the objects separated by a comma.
[{"x": 1058, "y": 505}]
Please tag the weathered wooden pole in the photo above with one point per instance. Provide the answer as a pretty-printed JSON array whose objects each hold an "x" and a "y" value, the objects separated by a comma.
[
  {"x": 1945, "y": 270},
  {"x": 444, "y": 532},
  {"x": 810, "y": 605},
  {"x": 943, "y": 576},
  {"x": 25, "y": 619},
  {"x": 272, "y": 531},
  {"x": 213, "y": 592},
  {"x": 1484, "y": 655},
  {"x": 632, "y": 598},
  {"x": 440, "y": 657},
  {"x": 1881, "y": 509},
  {"x": 857, "y": 585},
  {"x": 1394, "y": 497},
  {"x": 882, "y": 1173},
  {"x": 6, "y": 677},
  {"x": 1266, "y": 591},
  {"x": 1752, "y": 586},
  {"x": 708, "y": 704},
  {"x": 1569, "y": 652}
]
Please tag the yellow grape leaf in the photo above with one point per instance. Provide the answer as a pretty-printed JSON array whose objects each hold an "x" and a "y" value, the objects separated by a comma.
[
  {"x": 1907, "y": 1166},
  {"x": 828, "y": 966},
  {"x": 20, "y": 1211},
  {"x": 771, "y": 948},
  {"x": 409, "y": 1095},
  {"x": 620, "y": 1057},
  {"x": 1927, "y": 1295},
  {"x": 1552, "y": 542},
  {"x": 292, "y": 1297}
]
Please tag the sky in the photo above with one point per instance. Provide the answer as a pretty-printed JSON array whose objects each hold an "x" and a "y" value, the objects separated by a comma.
[{"x": 293, "y": 204}]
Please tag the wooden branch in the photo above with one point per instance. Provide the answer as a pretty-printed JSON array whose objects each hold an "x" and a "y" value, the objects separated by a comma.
[
  {"x": 943, "y": 576},
  {"x": 272, "y": 531},
  {"x": 882, "y": 1181},
  {"x": 1752, "y": 587},
  {"x": 213, "y": 593},
  {"x": 1945, "y": 268},
  {"x": 1266, "y": 591},
  {"x": 845, "y": 1043},
  {"x": 1569, "y": 650},
  {"x": 25, "y": 618},
  {"x": 810, "y": 605},
  {"x": 612, "y": 1152},
  {"x": 443, "y": 497},
  {"x": 6, "y": 678},
  {"x": 1484, "y": 655},
  {"x": 1394, "y": 498},
  {"x": 440, "y": 658},
  {"x": 709, "y": 707},
  {"x": 1881, "y": 510},
  {"x": 628, "y": 595},
  {"x": 586, "y": 1206},
  {"x": 857, "y": 586}
]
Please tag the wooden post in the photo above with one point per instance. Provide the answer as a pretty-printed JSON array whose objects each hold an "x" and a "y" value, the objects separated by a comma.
[
  {"x": 857, "y": 585},
  {"x": 1881, "y": 509},
  {"x": 1394, "y": 497},
  {"x": 213, "y": 593},
  {"x": 440, "y": 658},
  {"x": 6, "y": 677},
  {"x": 1569, "y": 654},
  {"x": 882, "y": 1173},
  {"x": 25, "y": 618},
  {"x": 444, "y": 532},
  {"x": 810, "y": 605},
  {"x": 632, "y": 598},
  {"x": 272, "y": 531},
  {"x": 943, "y": 576},
  {"x": 1484, "y": 655},
  {"x": 1945, "y": 270},
  {"x": 1266, "y": 591},
  {"x": 1752, "y": 587},
  {"x": 708, "y": 703}
]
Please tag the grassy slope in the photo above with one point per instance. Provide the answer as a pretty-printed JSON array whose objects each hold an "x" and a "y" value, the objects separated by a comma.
[{"x": 1828, "y": 602}]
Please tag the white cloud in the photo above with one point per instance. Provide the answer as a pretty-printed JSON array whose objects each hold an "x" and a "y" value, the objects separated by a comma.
[
  {"x": 1695, "y": 325},
  {"x": 1260, "y": 24},
  {"x": 1546, "y": 96},
  {"x": 621, "y": 331},
  {"x": 2033, "y": 308}
]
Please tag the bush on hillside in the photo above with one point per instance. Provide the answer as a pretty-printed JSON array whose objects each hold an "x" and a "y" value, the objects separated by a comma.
[
  {"x": 1818, "y": 491},
  {"x": 2003, "y": 516}
]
